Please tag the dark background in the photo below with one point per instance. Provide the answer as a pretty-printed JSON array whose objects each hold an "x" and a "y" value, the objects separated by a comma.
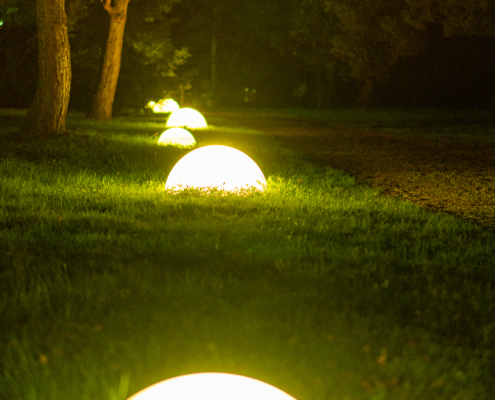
[{"x": 451, "y": 72}]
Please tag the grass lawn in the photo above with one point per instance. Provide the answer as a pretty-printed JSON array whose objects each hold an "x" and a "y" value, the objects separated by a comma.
[
  {"x": 431, "y": 123},
  {"x": 320, "y": 285}
]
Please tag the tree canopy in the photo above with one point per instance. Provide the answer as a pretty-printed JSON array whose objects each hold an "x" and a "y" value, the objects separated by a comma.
[{"x": 282, "y": 52}]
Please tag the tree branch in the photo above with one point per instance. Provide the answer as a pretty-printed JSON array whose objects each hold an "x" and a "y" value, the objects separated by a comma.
[
  {"x": 119, "y": 7},
  {"x": 107, "y": 5}
]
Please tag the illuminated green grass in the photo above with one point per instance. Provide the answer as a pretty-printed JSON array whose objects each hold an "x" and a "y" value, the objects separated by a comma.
[{"x": 319, "y": 286}]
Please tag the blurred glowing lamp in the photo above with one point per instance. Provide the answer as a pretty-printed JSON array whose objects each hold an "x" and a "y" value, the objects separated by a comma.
[
  {"x": 216, "y": 167},
  {"x": 164, "y": 106},
  {"x": 177, "y": 137},
  {"x": 211, "y": 386},
  {"x": 186, "y": 117}
]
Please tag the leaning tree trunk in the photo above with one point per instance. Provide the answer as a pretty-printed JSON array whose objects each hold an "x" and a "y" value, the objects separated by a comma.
[
  {"x": 102, "y": 104},
  {"x": 47, "y": 113}
]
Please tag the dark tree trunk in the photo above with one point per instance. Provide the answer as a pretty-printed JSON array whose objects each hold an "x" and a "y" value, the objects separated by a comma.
[
  {"x": 329, "y": 73},
  {"x": 214, "y": 60},
  {"x": 365, "y": 100},
  {"x": 47, "y": 114},
  {"x": 102, "y": 104},
  {"x": 319, "y": 86}
]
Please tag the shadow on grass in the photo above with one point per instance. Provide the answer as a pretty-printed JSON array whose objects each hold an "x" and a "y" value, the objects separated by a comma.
[
  {"x": 95, "y": 153},
  {"x": 10, "y": 121},
  {"x": 344, "y": 266}
]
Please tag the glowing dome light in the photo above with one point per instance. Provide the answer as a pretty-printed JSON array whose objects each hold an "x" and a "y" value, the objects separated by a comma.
[
  {"x": 186, "y": 117},
  {"x": 177, "y": 137},
  {"x": 164, "y": 106},
  {"x": 218, "y": 167},
  {"x": 211, "y": 386}
]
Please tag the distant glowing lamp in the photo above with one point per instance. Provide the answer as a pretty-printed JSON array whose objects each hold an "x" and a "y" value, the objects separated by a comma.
[
  {"x": 211, "y": 386},
  {"x": 188, "y": 118},
  {"x": 164, "y": 106},
  {"x": 177, "y": 137},
  {"x": 216, "y": 167}
]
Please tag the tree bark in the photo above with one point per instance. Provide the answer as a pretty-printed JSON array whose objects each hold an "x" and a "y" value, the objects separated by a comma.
[
  {"x": 47, "y": 114},
  {"x": 319, "y": 85},
  {"x": 102, "y": 104},
  {"x": 365, "y": 100},
  {"x": 329, "y": 74},
  {"x": 214, "y": 61},
  {"x": 212, "y": 102}
]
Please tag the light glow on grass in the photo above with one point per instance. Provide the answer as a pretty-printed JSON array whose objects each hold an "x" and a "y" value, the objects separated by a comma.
[
  {"x": 163, "y": 106},
  {"x": 177, "y": 137},
  {"x": 186, "y": 118},
  {"x": 216, "y": 167},
  {"x": 211, "y": 386}
]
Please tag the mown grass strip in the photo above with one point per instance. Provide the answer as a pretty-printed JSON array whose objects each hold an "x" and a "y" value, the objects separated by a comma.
[{"x": 320, "y": 285}]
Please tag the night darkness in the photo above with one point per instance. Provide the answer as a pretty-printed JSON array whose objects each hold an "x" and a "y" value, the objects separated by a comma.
[{"x": 257, "y": 61}]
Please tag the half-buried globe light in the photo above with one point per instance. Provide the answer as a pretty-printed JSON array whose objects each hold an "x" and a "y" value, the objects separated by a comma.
[
  {"x": 163, "y": 106},
  {"x": 216, "y": 167},
  {"x": 186, "y": 118},
  {"x": 211, "y": 386},
  {"x": 177, "y": 137}
]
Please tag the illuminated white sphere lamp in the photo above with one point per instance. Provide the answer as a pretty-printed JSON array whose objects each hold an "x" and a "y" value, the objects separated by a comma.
[
  {"x": 186, "y": 118},
  {"x": 216, "y": 167},
  {"x": 211, "y": 386},
  {"x": 164, "y": 106},
  {"x": 177, "y": 137}
]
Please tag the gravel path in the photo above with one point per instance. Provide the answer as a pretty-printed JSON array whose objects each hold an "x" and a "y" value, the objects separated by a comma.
[{"x": 443, "y": 176}]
